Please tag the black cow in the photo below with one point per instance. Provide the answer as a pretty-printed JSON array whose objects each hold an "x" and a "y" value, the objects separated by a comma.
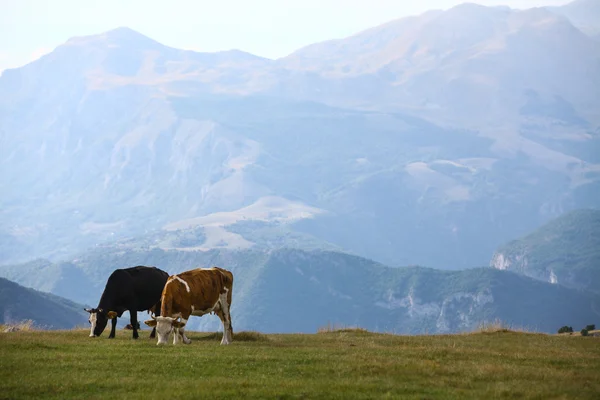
[{"x": 130, "y": 289}]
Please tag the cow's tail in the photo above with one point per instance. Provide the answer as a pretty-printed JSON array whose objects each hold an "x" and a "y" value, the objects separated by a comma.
[
  {"x": 155, "y": 309},
  {"x": 227, "y": 282}
]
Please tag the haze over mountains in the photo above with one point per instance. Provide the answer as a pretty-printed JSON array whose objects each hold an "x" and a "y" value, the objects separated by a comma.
[
  {"x": 584, "y": 14},
  {"x": 464, "y": 128},
  {"x": 430, "y": 140}
]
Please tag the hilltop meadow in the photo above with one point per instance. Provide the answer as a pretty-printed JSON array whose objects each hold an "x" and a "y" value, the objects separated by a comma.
[{"x": 333, "y": 363}]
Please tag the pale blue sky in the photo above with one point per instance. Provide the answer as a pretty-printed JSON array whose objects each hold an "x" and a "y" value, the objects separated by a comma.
[{"x": 268, "y": 28}]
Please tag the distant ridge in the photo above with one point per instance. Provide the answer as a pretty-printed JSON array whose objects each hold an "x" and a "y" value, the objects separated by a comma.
[
  {"x": 47, "y": 311},
  {"x": 292, "y": 290}
]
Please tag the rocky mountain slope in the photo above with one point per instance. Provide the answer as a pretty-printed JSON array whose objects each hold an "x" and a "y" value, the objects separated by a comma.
[
  {"x": 423, "y": 141},
  {"x": 565, "y": 251},
  {"x": 47, "y": 311}
]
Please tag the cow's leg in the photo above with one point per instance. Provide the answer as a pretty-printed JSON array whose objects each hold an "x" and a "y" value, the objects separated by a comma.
[
  {"x": 176, "y": 337},
  {"x": 226, "y": 312},
  {"x": 219, "y": 312},
  {"x": 134, "y": 323},
  {"x": 226, "y": 319},
  {"x": 227, "y": 326},
  {"x": 156, "y": 308},
  {"x": 113, "y": 327},
  {"x": 185, "y": 339}
]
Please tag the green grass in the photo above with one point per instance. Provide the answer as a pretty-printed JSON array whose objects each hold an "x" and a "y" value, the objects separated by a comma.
[{"x": 340, "y": 364}]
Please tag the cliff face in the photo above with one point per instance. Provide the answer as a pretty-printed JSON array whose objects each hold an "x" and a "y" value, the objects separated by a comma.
[
  {"x": 566, "y": 251},
  {"x": 519, "y": 263}
]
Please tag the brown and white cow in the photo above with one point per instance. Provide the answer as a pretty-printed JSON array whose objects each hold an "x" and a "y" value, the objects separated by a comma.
[{"x": 196, "y": 292}]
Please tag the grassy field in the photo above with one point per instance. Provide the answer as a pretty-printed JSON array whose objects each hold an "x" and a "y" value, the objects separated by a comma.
[{"x": 341, "y": 364}]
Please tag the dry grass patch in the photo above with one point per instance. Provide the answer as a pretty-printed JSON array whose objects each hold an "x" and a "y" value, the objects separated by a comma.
[
  {"x": 594, "y": 333},
  {"x": 498, "y": 326},
  {"x": 330, "y": 328},
  {"x": 25, "y": 325},
  {"x": 250, "y": 336}
]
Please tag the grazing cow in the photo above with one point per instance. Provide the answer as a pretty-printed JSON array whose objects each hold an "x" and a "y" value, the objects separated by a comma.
[
  {"x": 196, "y": 292},
  {"x": 130, "y": 289}
]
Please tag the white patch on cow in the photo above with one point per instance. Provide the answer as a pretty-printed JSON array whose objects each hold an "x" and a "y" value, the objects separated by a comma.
[
  {"x": 187, "y": 287},
  {"x": 92, "y": 320}
]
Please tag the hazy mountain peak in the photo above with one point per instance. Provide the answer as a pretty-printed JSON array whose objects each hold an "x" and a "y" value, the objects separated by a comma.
[
  {"x": 124, "y": 33},
  {"x": 472, "y": 8},
  {"x": 556, "y": 28},
  {"x": 537, "y": 13},
  {"x": 118, "y": 37},
  {"x": 427, "y": 35},
  {"x": 583, "y": 4},
  {"x": 463, "y": 16},
  {"x": 584, "y": 14}
]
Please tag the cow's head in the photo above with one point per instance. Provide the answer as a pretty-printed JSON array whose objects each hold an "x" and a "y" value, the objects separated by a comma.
[
  {"x": 98, "y": 320},
  {"x": 164, "y": 327}
]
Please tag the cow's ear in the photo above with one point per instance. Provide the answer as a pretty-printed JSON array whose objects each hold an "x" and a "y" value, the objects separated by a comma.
[
  {"x": 111, "y": 314},
  {"x": 150, "y": 322},
  {"x": 90, "y": 310},
  {"x": 178, "y": 324}
]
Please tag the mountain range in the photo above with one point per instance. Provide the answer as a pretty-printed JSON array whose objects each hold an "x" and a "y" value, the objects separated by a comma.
[
  {"x": 425, "y": 132},
  {"x": 294, "y": 290},
  {"x": 540, "y": 282}
]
